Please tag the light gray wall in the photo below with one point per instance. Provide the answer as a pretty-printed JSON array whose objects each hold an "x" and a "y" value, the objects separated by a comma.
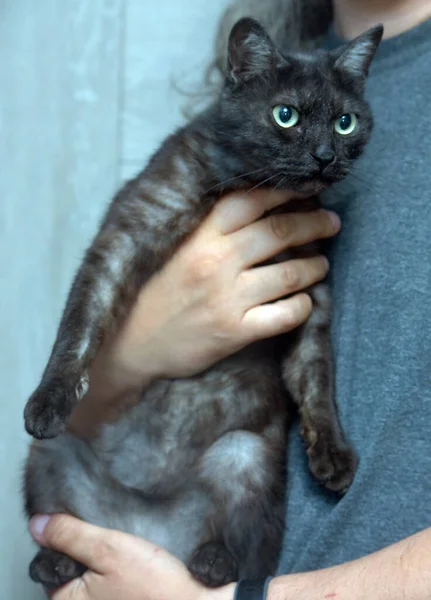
[{"x": 85, "y": 97}]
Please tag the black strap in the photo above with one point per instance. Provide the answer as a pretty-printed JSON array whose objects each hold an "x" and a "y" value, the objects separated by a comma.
[{"x": 248, "y": 589}]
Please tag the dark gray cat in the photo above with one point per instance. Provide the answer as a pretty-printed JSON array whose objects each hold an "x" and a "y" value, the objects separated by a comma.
[{"x": 199, "y": 465}]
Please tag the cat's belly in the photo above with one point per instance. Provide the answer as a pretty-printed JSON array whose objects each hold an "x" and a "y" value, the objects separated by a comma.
[
  {"x": 156, "y": 447},
  {"x": 63, "y": 475},
  {"x": 147, "y": 473}
]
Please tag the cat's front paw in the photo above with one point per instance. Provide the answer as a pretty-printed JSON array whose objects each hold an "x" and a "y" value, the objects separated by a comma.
[
  {"x": 48, "y": 409},
  {"x": 213, "y": 565},
  {"x": 333, "y": 463}
]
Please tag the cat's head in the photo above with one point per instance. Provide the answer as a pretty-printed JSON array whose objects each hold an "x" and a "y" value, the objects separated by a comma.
[{"x": 300, "y": 118}]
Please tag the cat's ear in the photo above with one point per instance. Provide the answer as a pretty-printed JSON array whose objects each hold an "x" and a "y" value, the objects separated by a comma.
[
  {"x": 251, "y": 51},
  {"x": 356, "y": 57}
]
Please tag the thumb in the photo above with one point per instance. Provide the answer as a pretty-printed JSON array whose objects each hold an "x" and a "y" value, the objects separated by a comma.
[{"x": 88, "y": 544}]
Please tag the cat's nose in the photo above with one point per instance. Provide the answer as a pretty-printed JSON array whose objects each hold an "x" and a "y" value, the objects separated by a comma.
[{"x": 324, "y": 155}]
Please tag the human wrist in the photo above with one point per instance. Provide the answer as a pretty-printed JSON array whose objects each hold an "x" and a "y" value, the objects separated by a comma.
[
  {"x": 276, "y": 589},
  {"x": 120, "y": 368},
  {"x": 124, "y": 376},
  {"x": 227, "y": 592}
]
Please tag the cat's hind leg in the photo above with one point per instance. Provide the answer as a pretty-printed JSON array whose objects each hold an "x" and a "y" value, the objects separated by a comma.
[{"x": 244, "y": 472}]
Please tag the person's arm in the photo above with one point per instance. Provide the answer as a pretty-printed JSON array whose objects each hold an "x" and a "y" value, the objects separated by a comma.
[
  {"x": 401, "y": 571},
  {"x": 209, "y": 301},
  {"x": 126, "y": 567}
]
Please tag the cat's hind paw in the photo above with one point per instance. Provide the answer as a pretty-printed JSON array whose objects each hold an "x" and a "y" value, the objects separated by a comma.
[
  {"x": 333, "y": 464},
  {"x": 213, "y": 565},
  {"x": 53, "y": 569}
]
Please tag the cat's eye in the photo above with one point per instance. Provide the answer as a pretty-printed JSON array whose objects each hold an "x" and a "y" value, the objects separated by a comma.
[
  {"x": 285, "y": 116},
  {"x": 345, "y": 124}
]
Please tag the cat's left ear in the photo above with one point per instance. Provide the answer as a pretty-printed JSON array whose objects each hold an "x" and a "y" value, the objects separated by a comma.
[
  {"x": 356, "y": 57},
  {"x": 251, "y": 51}
]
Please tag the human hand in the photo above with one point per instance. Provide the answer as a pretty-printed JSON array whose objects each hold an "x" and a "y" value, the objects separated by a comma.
[
  {"x": 120, "y": 565},
  {"x": 209, "y": 300}
]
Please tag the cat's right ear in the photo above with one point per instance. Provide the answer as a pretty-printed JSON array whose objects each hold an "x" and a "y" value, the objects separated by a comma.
[{"x": 251, "y": 51}]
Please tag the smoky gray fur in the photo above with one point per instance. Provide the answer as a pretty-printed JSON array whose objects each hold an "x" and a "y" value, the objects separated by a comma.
[{"x": 198, "y": 466}]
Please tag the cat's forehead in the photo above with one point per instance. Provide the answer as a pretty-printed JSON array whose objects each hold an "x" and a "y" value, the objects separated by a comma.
[{"x": 311, "y": 83}]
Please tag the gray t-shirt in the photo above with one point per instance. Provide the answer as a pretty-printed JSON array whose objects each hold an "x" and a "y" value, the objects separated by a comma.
[{"x": 381, "y": 277}]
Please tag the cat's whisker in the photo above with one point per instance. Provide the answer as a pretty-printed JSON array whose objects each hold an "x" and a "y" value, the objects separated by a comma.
[
  {"x": 361, "y": 183},
  {"x": 370, "y": 178},
  {"x": 233, "y": 179},
  {"x": 367, "y": 176},
  {"x": 368, "y": 171},
  {"x": 379, "y": 151},
  {"x": 279, "y": 184},
  {"x": 262, "y": 183},
  {"x": 370, "y": 186},
  {"x": 364, "y": 180}
]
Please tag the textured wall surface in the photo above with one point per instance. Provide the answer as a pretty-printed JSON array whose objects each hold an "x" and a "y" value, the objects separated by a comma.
[{"x": 86, "y": 95}]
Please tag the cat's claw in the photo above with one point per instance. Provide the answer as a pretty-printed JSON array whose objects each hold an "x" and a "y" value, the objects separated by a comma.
[{"x": 333, "y": 464}]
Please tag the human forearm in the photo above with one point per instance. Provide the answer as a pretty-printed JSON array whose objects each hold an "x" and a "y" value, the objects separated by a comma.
[{"x": 399, "y": 572}]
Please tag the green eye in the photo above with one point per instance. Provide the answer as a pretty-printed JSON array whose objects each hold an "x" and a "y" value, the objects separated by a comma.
[
  {"x": 285, "y": 116},
  {"x": 346, "y": 124}
]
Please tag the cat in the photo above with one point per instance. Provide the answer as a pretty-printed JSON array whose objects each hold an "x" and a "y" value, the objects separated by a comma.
[{"x": 198, "y": 466}]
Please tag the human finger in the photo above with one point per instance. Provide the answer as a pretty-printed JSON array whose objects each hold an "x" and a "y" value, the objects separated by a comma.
[
  {"x": 268, "y": 320},
  {"x": 82, "y": 541},
  {"x": 74, "y": 590},
  {"x": 273, "y": 234},
  {"x": 264, "y": 284},
  {"x": 236, "y": 210}
]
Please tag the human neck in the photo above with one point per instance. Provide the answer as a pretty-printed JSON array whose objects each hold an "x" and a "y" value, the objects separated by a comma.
[{"x": 352, "y": 17}]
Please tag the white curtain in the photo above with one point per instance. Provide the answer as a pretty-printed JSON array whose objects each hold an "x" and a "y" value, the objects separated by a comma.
[{"x": 85, "y": 97}]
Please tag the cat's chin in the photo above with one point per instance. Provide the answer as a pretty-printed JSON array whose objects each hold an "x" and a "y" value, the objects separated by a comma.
[
  {"x": 316, "y": 186},
  {"x": 310, "y": 188}
]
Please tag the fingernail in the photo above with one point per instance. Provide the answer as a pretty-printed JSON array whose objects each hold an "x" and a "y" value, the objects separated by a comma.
[
  {"x": 37, "y": 526},
  {"x": 335, "y": 220},
  {"x": 326, "y": 261}
]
